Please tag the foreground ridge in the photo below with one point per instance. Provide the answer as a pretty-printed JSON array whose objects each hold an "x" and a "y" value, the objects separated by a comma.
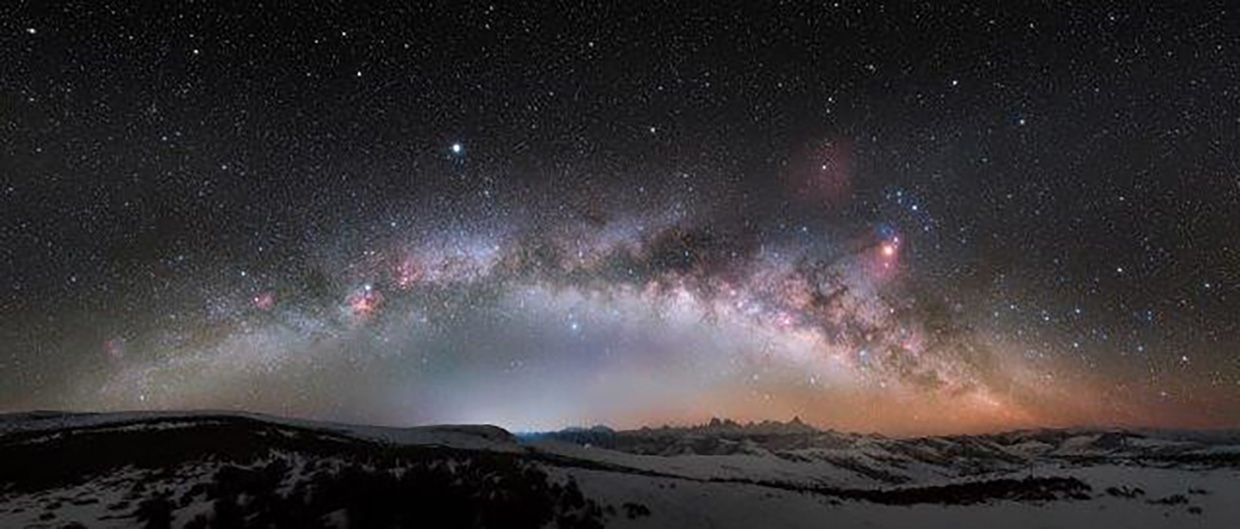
[{"x": 226, "y": 469}]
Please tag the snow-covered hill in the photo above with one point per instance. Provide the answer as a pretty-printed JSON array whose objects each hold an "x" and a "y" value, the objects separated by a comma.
[{"x": 220, "y": 469}]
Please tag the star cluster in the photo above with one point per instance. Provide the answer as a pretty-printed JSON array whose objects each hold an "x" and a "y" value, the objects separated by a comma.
[{"x": 907, "y": 218}]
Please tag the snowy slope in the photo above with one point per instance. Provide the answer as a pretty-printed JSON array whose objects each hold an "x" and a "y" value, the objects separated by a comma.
[{"x": 222, "y": 469}]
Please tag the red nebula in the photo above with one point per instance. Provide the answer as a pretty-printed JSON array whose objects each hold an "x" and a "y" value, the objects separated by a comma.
[
  {"x": 885, "y": 257},
  {"x": 364, "y": 302},
  {"x": 889, "y": 251},
  {"x": 265, "y": 300}
]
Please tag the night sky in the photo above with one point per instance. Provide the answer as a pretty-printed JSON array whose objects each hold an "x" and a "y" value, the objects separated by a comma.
[{"x": 897, "y": 218}]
